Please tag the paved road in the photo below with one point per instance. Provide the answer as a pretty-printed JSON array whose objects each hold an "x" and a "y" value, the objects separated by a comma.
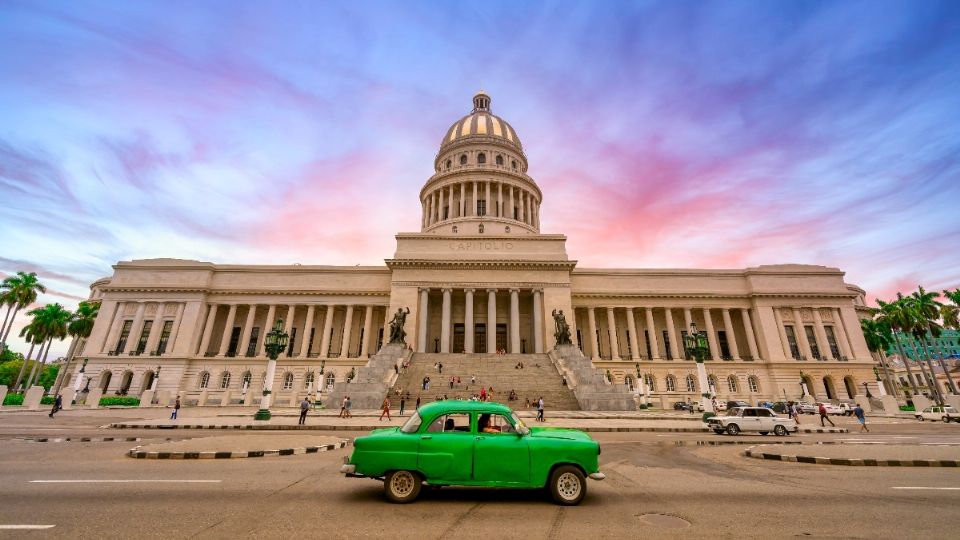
[{"x": 653, "y": 479}]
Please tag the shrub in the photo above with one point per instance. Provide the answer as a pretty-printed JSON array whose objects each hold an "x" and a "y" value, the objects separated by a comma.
[
  {"x": 908, "y": 408},
  {"x": 643, "y": 406},
  {"x": 119, "y": 401},
  {"x": 47, "y": 400},
  {"x": 707, "y": 415},
  {"x": 13, "y": 399}
]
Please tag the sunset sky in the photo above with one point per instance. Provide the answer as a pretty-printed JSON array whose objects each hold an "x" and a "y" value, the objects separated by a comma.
[{"x": 676, "y": 134}]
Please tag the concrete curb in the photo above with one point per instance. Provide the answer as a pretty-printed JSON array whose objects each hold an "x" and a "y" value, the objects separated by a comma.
[
  {"x": 140, "y": 454},
  {"x": 78, "y": 439},
  {"x": 330, "y": 427},
  {"x": 749, "y": 452}
]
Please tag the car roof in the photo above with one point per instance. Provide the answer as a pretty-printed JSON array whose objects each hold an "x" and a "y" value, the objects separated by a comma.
[{"x": 458, "y": 405}]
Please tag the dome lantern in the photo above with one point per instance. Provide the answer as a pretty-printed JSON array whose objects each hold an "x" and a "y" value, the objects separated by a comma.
[{"x": 481, "y": 102}]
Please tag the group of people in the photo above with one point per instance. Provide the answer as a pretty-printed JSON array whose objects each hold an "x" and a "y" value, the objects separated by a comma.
[{"x": 345, "y": 407}]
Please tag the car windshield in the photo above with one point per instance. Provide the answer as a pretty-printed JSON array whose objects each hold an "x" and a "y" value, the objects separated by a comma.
[
  {"x": 950, "y": 409},
  {"x": 412, "y": 424},
  {"x": 733, "y": 412},
  {"x": 518, "y": 424}
]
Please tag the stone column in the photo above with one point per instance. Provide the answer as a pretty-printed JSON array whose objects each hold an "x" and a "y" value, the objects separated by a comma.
[
  {"x": 538, "y": 321},
  {"x": 307, "y": 326},
  {"x": 514, "y": 321},
  {"x": 511, "y": 203},
  {"x": 347, "y": 325},
  {"x": 116, "y": 321},
  {"x": 267, "y": 327},
  {"x": 731, "y": 335},
  {"x": 499, "y": 199},
  {"x": 445, "y": 321},
  {"x": 632, "y": 328},
  {"x": 327, "y": 330},
  {"x": 365, "y": 340},
  {"x": 592, "y": 329},
  {"x": 798, "y": 328},
  {"x": 288, "y": 325},
  {"x": 841, "y": 335},
  {"x": 523, "y": 206},
  {"x": 751, "y": 337},
  {"x": 440, "y": 209},
  {"x": 781, "y": 329},
  {"x": 208, "y": 329},
  {"x": 491, "y": 321},
  {"x": 652, "y": 336},
  {"x": 473, "y": 200},
  {"x": 488, "y": 203},
  {"x": 423, "y": 320},
  {"x": 676, "y": 348},
  {"x": 711, "y": 335},
  {"x": 155, "y": 329},
  {"x": 821, "y": 334},
  {"x": 135, "y": 328},
  {"x": 227, "y": 329},
  {"x": 612, "y": 332},
  {"x": 463, "y": 197},
  {"x": 468, "y": 321},
  {"x": 175, "y": 329},
  {"x": 244, "y": 342}
]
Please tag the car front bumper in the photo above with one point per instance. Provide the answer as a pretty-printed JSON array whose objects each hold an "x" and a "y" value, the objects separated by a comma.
[{"x": 597, "y": 475}]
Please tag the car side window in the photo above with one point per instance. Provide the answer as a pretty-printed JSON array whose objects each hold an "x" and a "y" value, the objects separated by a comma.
[
  {"x": 764, "y": 413},
  {"x": 749, "y": 412},
  {"x": 450, "y": 423},
  {"x": 500, "y": 424}
]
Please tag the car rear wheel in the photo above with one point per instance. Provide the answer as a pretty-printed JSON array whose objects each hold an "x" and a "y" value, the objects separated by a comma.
[
  {"x": 401, "y": 486},
  {"x": 733, "y": 429},
  {"x": 946, "y": 419},
  {"x": 920, "y": 418},
  {"x": 567, "y": 485},
  {"x": 779, "y": 430},
  {"x": 718, "y": 431}
]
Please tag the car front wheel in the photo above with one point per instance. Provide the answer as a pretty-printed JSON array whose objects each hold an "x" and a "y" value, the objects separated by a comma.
[
  {"x": 946, "y": 419},
  {"x": 779, "y": 430},
  {"x": 733, "y": 429},
  {"x": 718, "y": 431},
  {"x": 764, "y": 432},
  {"x": 401, "y": 486},
  {"x": 568, "y": 485}
]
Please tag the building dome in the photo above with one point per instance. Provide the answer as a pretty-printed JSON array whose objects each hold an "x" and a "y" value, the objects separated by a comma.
[{"x": 481, "y": 123}]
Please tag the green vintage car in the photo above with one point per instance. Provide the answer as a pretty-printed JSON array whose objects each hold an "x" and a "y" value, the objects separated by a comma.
[{"x": 471, "y": 443}]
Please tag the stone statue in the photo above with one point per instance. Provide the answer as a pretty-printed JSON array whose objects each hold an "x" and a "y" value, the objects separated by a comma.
[
  {"x": 562, "y": 333},
  {"x": 397, "y": 334}
]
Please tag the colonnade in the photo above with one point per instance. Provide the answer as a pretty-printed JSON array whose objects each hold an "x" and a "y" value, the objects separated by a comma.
[
  {"x": 490, "y": 325},
  {"x": 155, "y": 336},
  {"x": 461, "y": 199},
  {"x": 819, "y": 340}
]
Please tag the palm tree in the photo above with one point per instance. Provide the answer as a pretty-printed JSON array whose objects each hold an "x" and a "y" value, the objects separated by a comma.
[
  {"x": 879, "y": 338},
  {"x": 55, "y": 320},
  {"x": 6, "y": 299},
  {"x": 926, "y": 310},
  {"x": 35, "y": 335},
  {"x": 897, "y": 318},
  {"x": 80, "y": 327},
  {"x": 22, "y": 290}
]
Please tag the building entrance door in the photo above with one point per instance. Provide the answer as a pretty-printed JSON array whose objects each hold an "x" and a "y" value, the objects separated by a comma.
[
  {"x": 458, "y": 333},
  {"x": 502, "y": 336},
  {"x": 480, "y": 338}
]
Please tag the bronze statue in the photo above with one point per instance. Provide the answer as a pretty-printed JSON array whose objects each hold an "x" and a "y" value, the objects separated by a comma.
[
  {"x": 562, "y": 333},
  {"x": 397, "y": 334}
]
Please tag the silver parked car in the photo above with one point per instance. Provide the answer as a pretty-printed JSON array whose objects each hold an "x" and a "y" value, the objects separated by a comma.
[{"x": 758, "y": 419}]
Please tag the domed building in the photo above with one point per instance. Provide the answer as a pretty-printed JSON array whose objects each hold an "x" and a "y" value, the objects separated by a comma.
[{"x": 480, "y": 289}]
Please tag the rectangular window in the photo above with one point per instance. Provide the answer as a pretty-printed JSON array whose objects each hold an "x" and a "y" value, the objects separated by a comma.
[
  {"x": 313, "y": 332},
  {"x": 359, "y": 344},
  {"x": 446, "y": 212},
  {"x": 234, "y": 341},
  {"x": 502, "y": 336},
  {"x": 832, "y": 342},
  {"x": 724, "y": 344},
  {"x": 812, "y": 340},
  {"x": 646, "y": 339},
  {"x": 683, "y": 340},
  {"x": 481, "y": 207},
  {"x": 252, "y": 346},
  {"x": 459, "y": 333},
  {"x": 667, "y": 344},
  {"x": 579, "y": 340},
  {"x": 792, "y": 342},
  {"x": 380, "y": 339},
  {"x": 516, "y": 213},
  {"x": 330, "y": 346},
  {"x": 144, "y": 335},
  {"x": 629, "y": 349},
  {"x": 599, "y": 344},
  {"x": 293, "y": 340},
  {"x": 164, "y": 337},
  {"x": 480, "y": 338},
  {"x": 124, "y": 335}
]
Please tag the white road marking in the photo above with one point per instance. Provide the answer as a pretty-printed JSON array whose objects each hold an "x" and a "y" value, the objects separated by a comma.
[
  {"x": 25, "y": 527},
  {"x": 925, "y": 487},
  {"x": 124, "y": 481}
]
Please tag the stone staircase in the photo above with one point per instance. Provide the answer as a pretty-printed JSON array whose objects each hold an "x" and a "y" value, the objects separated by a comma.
[
  {"x": 590, "y": 386},
  {"x": 368, "y": 387},
  {"x": 491, "y": 370}
]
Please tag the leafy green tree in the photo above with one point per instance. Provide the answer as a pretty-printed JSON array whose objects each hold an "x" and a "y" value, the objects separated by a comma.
[
  {"x": 8, "y": 355},
  {"x": 8, "y": 372},
  {"x": 926, "y": 310},
  {"x": 18, "y": 291},
  {"x": 879, "y": 338},
  {"x": 53, "y": 319},
  {"x": 898, "y": 319},
  {"x": 48, "y": 376},
  {"x": 80, "y": 327}
]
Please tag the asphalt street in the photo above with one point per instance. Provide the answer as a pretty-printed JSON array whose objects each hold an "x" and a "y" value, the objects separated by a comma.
[{"x": 662, "y": 484}]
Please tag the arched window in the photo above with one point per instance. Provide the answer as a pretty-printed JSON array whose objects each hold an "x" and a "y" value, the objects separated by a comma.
[
  {"x": 651, "y": 382},
  {"x": 753, "y": 383},
  {"x": 204, "y": 379},
  {"x": 671, "y": 383},
  {"x": 331, "y": 378},
  {"x": 288, "y": 381},
  {"x": 691, "y": 384},
  {"x": 308, "y": 380},
  {"x": 712, "y": 383},
  {"x": 500, "y": 160},
  {"x": 628, "y": 380},
  {"x": 449, "y": 164},
  {"x": 481, "y": 158},
  {"x": 245, "y": 382},
  {"x": 513, "y": 163},
  {"x": 463, "y": 159},
  {"x": 225, "y": 380},
  {"x": 732, "y": 383}
]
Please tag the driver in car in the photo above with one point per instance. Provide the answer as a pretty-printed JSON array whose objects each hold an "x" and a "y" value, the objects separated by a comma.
[{"x": 483, "y": 425}]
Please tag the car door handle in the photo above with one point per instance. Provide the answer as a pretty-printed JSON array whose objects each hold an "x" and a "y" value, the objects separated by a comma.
[
  {"x": 425, "y": 437},
  {"x": 480, "y": 438}
]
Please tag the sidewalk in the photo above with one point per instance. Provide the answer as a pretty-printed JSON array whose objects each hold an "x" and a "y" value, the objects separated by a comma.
[
  {"x": 872, "y": 455},
  {"x": 238, "y": 446}
]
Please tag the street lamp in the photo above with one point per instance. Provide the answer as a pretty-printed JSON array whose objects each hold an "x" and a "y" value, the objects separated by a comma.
[
  {"x": 319, "y": 381},
  {"x": 866, "y": 390},
  {"x": 275, "y": 342},
  {"x": 641, "y": 387},
  {"x": 697, "y": 344}
]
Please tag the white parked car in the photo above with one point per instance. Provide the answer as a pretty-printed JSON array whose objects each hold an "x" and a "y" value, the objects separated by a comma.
[
  {"x": 947, "y": 414},
  {"x": 758, "y": 419},
  {"x": 830, "y": 408},
  {"x": 806, "y": 408}
]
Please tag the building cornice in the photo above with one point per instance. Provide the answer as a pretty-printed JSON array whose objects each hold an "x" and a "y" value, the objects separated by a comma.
[{"x": 395, "y": 264}]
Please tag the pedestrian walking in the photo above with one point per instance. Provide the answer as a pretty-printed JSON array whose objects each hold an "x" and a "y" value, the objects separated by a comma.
[
  {"x": 440, "y": 367},
  {"x": 861, "y": 417},
  {"x": 57, "y": 405},
  {"x": 795, "y": 412},
  {"x": 418, "y": 402},
  {"x": 343, "y": 407},
  {"x": 473, "y": 379},
  {"x": 176, "y": 409},
  {"x": 347, "y": 405},
  {"x": 403, "y": 403},
  {"x": 540, "y": 410},
  {"x": 304, "y": 407},
  {"x": 385, "y": 409},
  {"x": 823, "y": 416},
  {"x": 452, "y": 380}
]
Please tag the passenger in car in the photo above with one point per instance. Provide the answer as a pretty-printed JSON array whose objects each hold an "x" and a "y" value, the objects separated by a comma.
[{"x": 483, "y": 425}]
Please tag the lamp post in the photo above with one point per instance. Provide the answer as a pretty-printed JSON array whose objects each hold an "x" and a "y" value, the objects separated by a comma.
[
  {"x": 275, "y": 342},
  {"x": 866, "y": 390},
  {"x": 696, "y": 342},
  {"x": 641, "y": 387},
  {"x": 804, "y": 391},
  {"x": 319, "y": 382}
]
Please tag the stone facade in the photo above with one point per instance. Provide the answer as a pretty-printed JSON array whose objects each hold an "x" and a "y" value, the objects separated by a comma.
[{"x": 477, "y": 278}]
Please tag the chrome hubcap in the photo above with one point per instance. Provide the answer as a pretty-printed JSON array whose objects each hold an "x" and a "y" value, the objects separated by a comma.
[
  {"x": 568, "y": 485},
  {"x": 402, "y": 484}
]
